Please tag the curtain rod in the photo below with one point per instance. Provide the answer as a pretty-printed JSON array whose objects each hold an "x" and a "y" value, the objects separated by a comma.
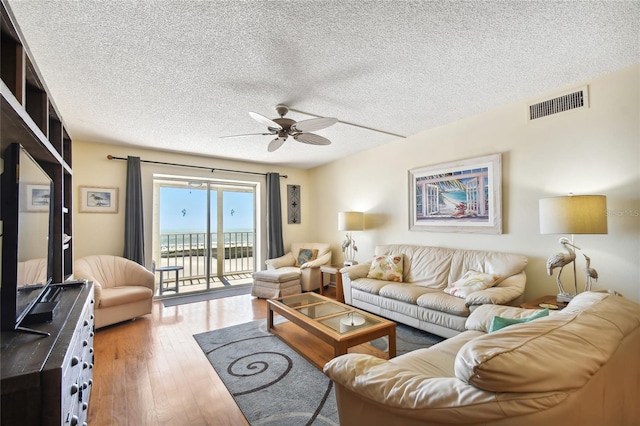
[{"x": 213, "y": 169}]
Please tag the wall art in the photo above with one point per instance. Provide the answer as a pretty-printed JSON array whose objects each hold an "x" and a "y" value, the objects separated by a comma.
[
  {"x": 293, "y": 202},
  {"x": 98, "y": 200},
  {"x": 38, "y": 198},
  {"x": 460, "y": 196}
]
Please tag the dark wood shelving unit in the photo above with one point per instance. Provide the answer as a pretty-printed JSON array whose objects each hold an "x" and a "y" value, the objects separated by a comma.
[
  {"x": 46, "y": 380},
  {"x": 30, "y": 118}
]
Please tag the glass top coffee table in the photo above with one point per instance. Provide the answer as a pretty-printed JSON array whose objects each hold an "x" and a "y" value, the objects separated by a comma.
[{"x": 335, "y": 323}]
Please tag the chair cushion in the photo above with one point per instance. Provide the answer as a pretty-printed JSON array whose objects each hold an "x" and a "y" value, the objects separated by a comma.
[
  {"x": 306, "y": 255},
  {"x": 121, "y": 295},
  {"x": 277, "y": 275}
]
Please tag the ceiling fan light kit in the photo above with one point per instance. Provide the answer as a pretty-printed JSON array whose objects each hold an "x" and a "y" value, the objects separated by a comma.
[{"x": 285, "y": 127}]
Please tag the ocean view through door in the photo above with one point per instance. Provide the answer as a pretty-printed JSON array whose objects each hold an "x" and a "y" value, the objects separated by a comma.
[{"x": 204, "y": 235}]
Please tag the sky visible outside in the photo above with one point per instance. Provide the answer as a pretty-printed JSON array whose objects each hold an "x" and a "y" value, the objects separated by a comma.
[{"x": 184, "y": 210}]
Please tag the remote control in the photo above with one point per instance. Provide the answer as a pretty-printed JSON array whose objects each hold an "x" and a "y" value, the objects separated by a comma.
[{"x": 71, "y": 283}]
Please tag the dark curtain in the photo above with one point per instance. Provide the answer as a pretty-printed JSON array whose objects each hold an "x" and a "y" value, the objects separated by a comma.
[
  {"x": 134, "y": 221},
  {"x": 275, "y": 244}
]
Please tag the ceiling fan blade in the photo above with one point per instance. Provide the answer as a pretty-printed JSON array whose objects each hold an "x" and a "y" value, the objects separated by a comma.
[
  {"x": 275, "y": 144},
  {"x": 265, "y": 121},
  {"x": 246, "y": 134},
  {"x": 314, "y": 124},
  {"x": 312, "y": 139}
]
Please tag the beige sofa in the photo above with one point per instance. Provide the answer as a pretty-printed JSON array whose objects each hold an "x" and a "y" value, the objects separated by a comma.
[
  {"x": 123, "y": 288},
  {"x": 419, "y": 300},
  {"x": 310, "y": 274},
  {"x": 579, "y": 366}
]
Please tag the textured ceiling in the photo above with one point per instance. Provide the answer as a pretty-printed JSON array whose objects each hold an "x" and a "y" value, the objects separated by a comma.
[{"x": 177, "y": 75}]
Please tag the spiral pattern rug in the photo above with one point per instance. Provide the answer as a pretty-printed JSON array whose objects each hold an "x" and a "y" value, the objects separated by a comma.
[{"x": 271, "y": 383}]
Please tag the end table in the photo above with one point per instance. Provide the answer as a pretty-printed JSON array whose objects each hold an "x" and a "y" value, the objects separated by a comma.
[
  {"x": 544, "y": 300},
  {"x": 335, "y": 270}
]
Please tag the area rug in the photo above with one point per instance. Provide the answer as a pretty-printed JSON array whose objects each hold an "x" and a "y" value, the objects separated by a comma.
[
  {"x": 201, "y": 297},
  {"x": 272, "y": 384}
]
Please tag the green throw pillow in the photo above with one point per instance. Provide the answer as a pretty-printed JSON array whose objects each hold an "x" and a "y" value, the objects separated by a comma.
[{"x": 498, "y": 322}]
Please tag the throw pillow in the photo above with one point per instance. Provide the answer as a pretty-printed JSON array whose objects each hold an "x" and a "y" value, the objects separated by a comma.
[
  {"x": 471, "y": 281},
  {"x": 498, "y": 323},
  {"x": 386, "y": 267},
  {"x": 306, "y": 255}
]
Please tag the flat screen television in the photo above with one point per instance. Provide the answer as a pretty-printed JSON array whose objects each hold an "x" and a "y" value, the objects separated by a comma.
[{"x": 27, "y": 238}]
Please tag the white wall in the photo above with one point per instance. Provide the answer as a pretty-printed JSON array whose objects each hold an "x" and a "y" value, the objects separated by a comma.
[
  {"x": 103, "y": 233},
  {"x": 587, "y": 151}
]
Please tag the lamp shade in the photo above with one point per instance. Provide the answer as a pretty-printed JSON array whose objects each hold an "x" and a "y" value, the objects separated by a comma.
[
  {"x": 576, "y": 214},
  {"x": 350, "y": 221}
]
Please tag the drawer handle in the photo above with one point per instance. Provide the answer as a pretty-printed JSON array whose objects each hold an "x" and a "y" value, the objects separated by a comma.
[
  {"x": 74, "y": 389},
  {"x": 74, "y": 361}
]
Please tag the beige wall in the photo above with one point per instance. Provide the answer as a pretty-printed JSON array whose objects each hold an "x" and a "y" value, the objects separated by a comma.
[
  {"x": 588, "y": 151},
  {"x": 103, "y": 233}
]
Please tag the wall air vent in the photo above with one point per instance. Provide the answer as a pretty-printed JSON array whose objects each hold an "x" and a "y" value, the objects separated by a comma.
[{"x": 578, "y": 98}]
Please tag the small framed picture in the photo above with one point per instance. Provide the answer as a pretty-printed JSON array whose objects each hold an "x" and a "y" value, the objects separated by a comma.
[
  {"x": 38, "y": 198},
  {"x": 98, "y": 200}
]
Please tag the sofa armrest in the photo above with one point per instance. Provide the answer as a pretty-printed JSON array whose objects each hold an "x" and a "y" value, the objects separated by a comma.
[
  {"x": 508, "y": 290},
  {"x": 316, "y": 263},
  {"x": 356, "y": 271},
  {"x": 350, "y": 273},
  {"x": 281, "y": 262}
]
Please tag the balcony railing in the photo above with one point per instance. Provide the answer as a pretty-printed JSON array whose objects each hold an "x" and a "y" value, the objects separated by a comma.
[{"x": 231, "y": 254}]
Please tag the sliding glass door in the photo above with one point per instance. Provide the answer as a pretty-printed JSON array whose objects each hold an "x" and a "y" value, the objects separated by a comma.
[{"x": 207, "y": 229}]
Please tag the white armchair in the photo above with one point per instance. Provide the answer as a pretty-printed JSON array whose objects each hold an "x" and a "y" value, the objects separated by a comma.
[
  {"x": 310, "y": 274},
  {"x": 123, "y": 289}
]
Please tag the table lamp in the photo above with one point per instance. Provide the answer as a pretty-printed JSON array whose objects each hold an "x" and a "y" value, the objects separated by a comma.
[
  {"x": 350, "y": 221},
  {"x": 572, "y": 214}
]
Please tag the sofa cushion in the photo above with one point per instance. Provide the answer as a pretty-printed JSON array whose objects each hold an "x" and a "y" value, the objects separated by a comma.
[
  {"x": 471, "y": 281},
  {"x": 408, "y": 293},
  {"x": 498, "y": 323},
  {"x": 440, "y": 301},
  {"x": 422, "y": 265},
  {"x": 488, "y": 361},
  {"x": 369, "y": 285},
  {"x": 491, "y": 262},
  {"x": 386, "y": 267}
]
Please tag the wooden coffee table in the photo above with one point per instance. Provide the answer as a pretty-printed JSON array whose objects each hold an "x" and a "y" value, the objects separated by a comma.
[{"x": 341, "y": 326}]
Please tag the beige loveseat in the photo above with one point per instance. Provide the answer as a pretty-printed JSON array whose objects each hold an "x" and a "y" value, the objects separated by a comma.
[
  {"x": 310, "y": 274},
  {"x": 578, "y": 366},
  {"x": 123, "y": 288},
  {"x": 419, "y": 300}
]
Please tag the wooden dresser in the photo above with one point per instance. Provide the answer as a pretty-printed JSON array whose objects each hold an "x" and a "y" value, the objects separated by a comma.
[{"x": 46, "y": 380}]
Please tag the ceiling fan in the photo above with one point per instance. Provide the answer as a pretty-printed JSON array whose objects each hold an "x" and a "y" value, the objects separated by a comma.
[{"x": 285, "y": 127}]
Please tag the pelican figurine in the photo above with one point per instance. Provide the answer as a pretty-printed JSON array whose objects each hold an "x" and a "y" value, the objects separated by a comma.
[
  {"x": 592, "y": 274},
  {"x": 560, "y": 260}
]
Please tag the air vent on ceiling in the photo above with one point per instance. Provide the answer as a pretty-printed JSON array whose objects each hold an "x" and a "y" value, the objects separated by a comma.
[{"x": 573, "y": 100}]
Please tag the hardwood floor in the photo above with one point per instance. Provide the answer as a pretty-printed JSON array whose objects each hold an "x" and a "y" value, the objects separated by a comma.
[{"x": 151, "y": 371}]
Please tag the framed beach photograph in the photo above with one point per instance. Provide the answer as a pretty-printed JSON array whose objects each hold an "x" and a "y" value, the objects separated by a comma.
[
  {"x": 98, "y": 200},
  {"x": 37, "y": 198},
  {"x": 461, "y": 196}
]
